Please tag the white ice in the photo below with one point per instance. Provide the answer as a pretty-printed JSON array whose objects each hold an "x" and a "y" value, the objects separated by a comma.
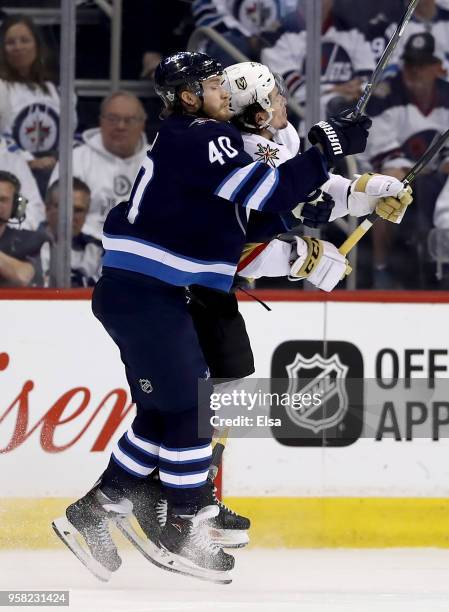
[{"x": 399, "y": 580}]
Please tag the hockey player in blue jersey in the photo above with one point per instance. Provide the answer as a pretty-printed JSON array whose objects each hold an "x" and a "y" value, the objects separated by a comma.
[{"x": 185, "y": 224}]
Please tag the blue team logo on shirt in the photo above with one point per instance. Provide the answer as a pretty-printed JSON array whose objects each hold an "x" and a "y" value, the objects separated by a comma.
[
  {"x": 258, "y": 14},
  {"x": 122, "y": 185},
  {"x": 36, "y": 128},
  {"x": 336, "y": 65},
  {"x": 416, "y": 145}
]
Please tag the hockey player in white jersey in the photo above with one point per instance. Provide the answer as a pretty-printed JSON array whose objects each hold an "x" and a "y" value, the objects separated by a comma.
[{"x": 259, "y": 105}]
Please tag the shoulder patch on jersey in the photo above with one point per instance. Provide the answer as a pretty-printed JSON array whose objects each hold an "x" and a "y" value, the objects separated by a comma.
[
  {"x": 201, "y": 120},
  {"x": 266, "y": 154}
]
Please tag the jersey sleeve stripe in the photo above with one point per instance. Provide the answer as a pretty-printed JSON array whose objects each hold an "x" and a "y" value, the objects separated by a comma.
[
  {"x": 233, "y": 183},
  {"x": 250, "y": 252},
  {"x": 263, "y": 190}
]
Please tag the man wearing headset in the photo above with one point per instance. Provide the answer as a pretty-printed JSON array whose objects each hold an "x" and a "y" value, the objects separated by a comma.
[{"x": 19, "y": 249}]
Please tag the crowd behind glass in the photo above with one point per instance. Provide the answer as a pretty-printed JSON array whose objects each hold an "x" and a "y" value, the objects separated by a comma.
[{"x": 409, "y": 109}]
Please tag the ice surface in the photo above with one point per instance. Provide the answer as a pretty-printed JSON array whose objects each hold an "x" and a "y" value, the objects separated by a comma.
[{"x": 388, "y": 580}]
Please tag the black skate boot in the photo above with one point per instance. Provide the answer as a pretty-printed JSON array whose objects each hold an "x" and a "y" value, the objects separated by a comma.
[
  {"x": 150, "y": 512},
  {"x": 149, "y": 508},
  {"x": 89, "y": 517},
  {"x": 228, "y": 529},
  {"x": 187, "y": 541}
]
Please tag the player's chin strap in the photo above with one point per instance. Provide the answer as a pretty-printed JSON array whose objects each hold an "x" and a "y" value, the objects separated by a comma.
[{"x": 265, "y": 125}]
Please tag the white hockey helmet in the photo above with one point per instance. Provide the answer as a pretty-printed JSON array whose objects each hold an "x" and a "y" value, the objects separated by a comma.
[{"x": 249, "y": 82}]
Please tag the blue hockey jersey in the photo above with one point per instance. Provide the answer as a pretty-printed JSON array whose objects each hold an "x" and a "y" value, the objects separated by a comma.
[{"x": 186, "y": 219}]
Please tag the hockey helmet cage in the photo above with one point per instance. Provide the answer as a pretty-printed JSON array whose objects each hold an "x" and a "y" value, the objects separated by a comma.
[
  {"x": 281, "y": 84},
  {"x": 249, "y": 82},
  {"x": 184, "y": 70}
]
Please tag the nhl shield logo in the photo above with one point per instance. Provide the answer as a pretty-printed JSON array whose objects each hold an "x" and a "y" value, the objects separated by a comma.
[
  {"x": 241, "y": 83},
  {"x": 323, "y": 378},
  {"x": 145, "y": 385},
  {"x": 332, "y": 412}
]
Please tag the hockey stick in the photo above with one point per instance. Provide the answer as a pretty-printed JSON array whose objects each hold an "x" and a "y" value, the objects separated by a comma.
[
  {"x": 217, "y": 453},
  {"x": 368, "y": 223},
  {"x": 383, "y": 61}
]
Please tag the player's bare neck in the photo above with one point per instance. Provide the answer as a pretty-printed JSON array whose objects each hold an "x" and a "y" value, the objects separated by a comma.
[{"x": 265, "y": 134}]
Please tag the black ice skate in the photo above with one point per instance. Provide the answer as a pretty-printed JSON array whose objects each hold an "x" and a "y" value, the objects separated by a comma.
[
  {"x": 85, "y": 531},
  {"x": 149, "y": 508},
  {"x": 187, "y": 541},
  {"x": 150, "y": 511},
  {"x": 228, "y": 529}
]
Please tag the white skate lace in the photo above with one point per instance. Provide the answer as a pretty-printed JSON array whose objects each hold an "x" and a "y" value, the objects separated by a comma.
[
  {"x": 198, "y": 532},
  {"x": 221, "y": 505},
  {"x": 103, "y": 537},
  {"x": 201, "y": 539},
  {"x": 161, "y": 512}
]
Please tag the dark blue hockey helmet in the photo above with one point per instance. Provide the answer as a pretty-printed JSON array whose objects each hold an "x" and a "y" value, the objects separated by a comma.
[{"x": 184, "y": 70}]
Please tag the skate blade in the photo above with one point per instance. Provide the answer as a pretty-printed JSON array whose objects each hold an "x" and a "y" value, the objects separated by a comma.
[
  {"x": 188, "y": 568},
  {"x": 229, "y": 538},
  {"x": 71, "y": 538},
  {"x": 145, "y": 546},
  {"x": 164, "y": 559}
]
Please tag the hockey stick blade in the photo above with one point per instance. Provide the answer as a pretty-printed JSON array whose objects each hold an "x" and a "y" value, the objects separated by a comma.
[
  {"x": 368, "y": 223},
  {"x": 383, "y": 61},
  {"x": 70, "y": 536},
  {"x": 164, "y": 559}
]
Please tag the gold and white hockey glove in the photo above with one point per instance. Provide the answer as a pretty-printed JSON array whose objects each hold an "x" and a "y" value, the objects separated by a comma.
[
  {"x": 384, "y": 194},
  {"x": 319, "y": 262}
]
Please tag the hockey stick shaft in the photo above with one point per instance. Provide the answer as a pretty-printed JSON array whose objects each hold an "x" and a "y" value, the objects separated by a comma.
[
  {"x": 217, "y": 453},
  {"x": 368, "y": 223},
  {"x": 383, "y": 61}
]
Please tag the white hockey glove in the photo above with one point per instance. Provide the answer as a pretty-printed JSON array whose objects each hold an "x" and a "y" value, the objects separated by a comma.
[
  {"x": 384, "y": 194},
  {"x": 319, "y": 262},
  {"x": 271, "y": 258}
]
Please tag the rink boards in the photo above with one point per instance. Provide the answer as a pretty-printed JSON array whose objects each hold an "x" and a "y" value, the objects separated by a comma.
[{"x": 377, "y": 477}]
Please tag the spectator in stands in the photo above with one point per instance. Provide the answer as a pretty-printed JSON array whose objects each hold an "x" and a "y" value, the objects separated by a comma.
[
  {"x": 440, "y": 237},
  {"x": 441, "y": 213},
  {"x": 347, "y": 60},
  {"x": 86, "y": 250},
  {"x": 19, "y": 249},
  {"x": 408, "y": 110},
  {"x": 30, "y": 101},
  {"x": 110, "y": 157},
  {"x": 376, "y": 20},
  {"x": 246, "y": 24},
  {"x": 12, "y": 161},
  {"x": 431, "y": 18}
]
